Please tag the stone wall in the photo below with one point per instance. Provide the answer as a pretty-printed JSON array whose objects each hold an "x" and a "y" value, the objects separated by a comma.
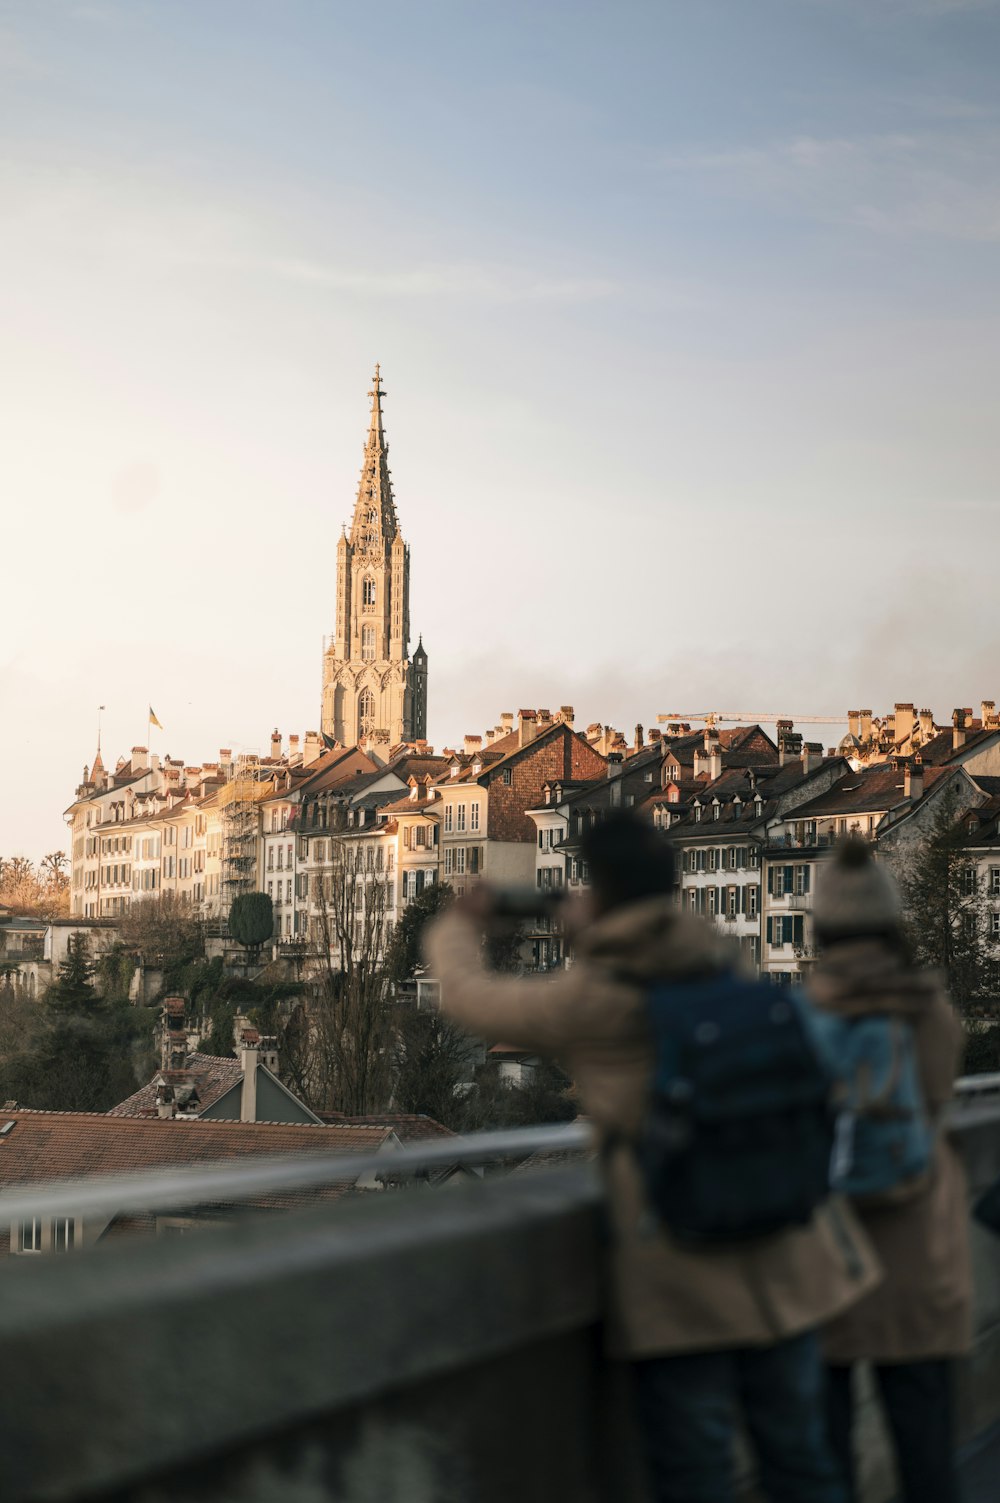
[{"x": 420, "y": 1347}]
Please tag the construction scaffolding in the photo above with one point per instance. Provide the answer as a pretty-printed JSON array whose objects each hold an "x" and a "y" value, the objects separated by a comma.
[{"x": 239, "y": 800}]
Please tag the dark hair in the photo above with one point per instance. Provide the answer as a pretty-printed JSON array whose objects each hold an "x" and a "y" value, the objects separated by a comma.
[{"x": 628, "y": 860}]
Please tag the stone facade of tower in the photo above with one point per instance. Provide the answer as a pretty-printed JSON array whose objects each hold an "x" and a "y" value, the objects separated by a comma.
[{"x": 372, "y": 690}]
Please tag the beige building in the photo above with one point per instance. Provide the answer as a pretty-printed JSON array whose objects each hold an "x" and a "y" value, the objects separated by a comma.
[{"x": 373, "y": 693}]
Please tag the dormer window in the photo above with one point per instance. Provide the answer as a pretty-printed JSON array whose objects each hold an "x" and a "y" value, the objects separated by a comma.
[
  {"x": 716, "y": 809},
  {"x": 477, "y": 768},
  {"x": 454, "y": 769},
  {"x": 697, "y": 813}
]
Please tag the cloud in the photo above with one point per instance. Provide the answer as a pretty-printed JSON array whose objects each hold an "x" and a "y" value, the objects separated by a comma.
[
  {"x": 930, "y": 183},
  {"x": 480, "y": 282}
]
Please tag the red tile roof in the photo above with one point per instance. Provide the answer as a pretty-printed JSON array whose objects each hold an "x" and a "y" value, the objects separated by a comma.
[
  {"x": 49, "y": 1146},
  {"x": 409, "y": 1127},
  {"x": 212, "y": 1077}
]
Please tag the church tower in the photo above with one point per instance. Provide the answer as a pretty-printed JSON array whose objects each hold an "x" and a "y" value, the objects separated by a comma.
[{"x": 372, "y": 691}]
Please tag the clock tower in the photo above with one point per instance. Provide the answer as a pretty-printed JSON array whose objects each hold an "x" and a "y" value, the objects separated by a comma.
[{"x": 373, "y": 691}]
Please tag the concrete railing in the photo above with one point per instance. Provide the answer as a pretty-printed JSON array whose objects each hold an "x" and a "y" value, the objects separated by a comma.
[{"x": 421, "y": 1346}]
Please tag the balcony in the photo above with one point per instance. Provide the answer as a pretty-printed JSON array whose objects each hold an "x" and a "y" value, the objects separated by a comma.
[{"x": 441, "y": 1345}]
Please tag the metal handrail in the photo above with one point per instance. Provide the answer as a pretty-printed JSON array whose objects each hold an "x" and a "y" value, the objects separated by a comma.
[
  {"x": 977, "y": 1085},
  {"x": 118, "y": 1194}
]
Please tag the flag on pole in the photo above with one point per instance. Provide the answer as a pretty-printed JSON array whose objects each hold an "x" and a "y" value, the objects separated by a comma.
[{"x": 153, "y": 720}]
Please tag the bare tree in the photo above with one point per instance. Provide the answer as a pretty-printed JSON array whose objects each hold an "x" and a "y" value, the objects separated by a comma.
[
  {"x": 338, "y": 1047},
  {"x": 44, "y": 891}
]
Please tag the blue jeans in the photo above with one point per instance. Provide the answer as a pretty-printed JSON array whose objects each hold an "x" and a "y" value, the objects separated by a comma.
[{"x": 688, "y": 1407}]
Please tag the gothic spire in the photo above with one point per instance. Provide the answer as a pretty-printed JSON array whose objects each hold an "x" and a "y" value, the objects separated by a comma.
[{"x": 375, "y": 523}]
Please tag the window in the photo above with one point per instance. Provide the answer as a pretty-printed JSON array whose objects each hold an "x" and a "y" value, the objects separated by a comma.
[
  {"x": 507, "y": 777},
  {"x": 995, "y": 881},
  {"x": 368, "y": 591},
  {"x": 366, "y": 712},
  {"x": 288, "y": 890},
  {"x": 30, "y": 1235},
  {"x": 475, "y": 853},
  {"x": 63, "y": 1234},
  {"x": 995, "y": 924},
  {"x": 449, "y": 817},
  {"x": 969, "y": 881},
  {"x": 319, "y": 850},
  {"x": 752, "y": 901},
  {"x": 368, "y": 643},
  {"x": 461, "y": 817}
]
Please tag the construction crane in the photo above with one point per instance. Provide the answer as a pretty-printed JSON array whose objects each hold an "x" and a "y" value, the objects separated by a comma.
[{"x": 749, "y": 717}]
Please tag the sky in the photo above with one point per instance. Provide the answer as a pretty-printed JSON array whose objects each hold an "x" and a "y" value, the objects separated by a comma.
[{"x": 689, "y": 322}]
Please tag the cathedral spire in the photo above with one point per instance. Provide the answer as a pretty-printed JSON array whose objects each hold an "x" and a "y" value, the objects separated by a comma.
[{"x": 375, "y": 525}]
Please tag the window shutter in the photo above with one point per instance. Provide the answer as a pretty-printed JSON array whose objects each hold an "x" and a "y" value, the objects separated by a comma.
[
  {"x": 805, "y": 878},
  {"x": 789, "y": 879},
  {"x": 770, "y": 884},
  {"x": 797, "y": 929},
  {"x": 770, "y": 931}
]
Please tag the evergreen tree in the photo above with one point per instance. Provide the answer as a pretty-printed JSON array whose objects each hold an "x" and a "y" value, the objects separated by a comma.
[
  {"x": 73, "y": 991},
  {"x": 251, "y": 921},
  {"x": 947, "y": 910},
  {"x": 403, "y": 954}
]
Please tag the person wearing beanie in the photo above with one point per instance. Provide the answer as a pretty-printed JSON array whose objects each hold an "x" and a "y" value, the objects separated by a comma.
[
  {"x": 708, "y": 1332},
  {"x": 913, "y": 1325}
]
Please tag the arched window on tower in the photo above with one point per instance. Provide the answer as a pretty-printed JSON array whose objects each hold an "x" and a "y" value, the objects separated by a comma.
[
  {"x": 368, "y": 591},
  {"x": 368, "y": 643},
  {"x": 366, "y": 712}
]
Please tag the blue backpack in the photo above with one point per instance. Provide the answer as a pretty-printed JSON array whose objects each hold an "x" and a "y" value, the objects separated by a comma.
[
  {"x": 884, "y": 1141},
  {"x": 739, "y": 1132}
]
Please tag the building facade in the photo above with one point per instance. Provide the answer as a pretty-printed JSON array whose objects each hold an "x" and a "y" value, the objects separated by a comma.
[{"x": 373, "y": 692}]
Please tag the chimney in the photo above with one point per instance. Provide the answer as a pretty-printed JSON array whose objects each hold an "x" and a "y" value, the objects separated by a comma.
[
  {"x": 275, "y": 744},
  {"x": 614, "y": 764},
  {"x": 638, "y": 743},
  {"x": 192, "y": 777},
  {"x": 294, "y": 751},
  {"x": 926, "y": 725},
  {"x": 173, "y": 1038},
  {"x": 226, "y": 761},
  {"x": 854, "y": 724},
  {"x": 958, "y": 729},
  {"x": 655, "y": 737},
  {"x": 506, "y": 722},
  {"x": 269, "y": 1053},
  {"x": 166, "y": 1104},
  {"x": 568, "y": 714},
  {"x": 812, "y": 755},
  {"x": 615, "y": 760},
  {"x": 988, "y": 711},
  {"x": 140, "y": 759},
  {"x": 905, "y": 720},
  {"x": 913, "y": 779},
  {"x": 312, "y": 749},
  {"x": 527, "y": 727},
  {"x": 789, "y": 742},
  {"x": 249, "y": 1054},
  {"x": 864, "y": 725},
  {"x": 471, "y": 745}
]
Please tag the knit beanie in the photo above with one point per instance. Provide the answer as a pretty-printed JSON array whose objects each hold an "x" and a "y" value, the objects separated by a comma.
[{"x": 856, "y": 896}]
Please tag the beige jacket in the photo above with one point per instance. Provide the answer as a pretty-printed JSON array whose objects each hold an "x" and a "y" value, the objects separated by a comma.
[
  {"x": 664, "y": 1298},
  {"x": 923, "y": 1307}
]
